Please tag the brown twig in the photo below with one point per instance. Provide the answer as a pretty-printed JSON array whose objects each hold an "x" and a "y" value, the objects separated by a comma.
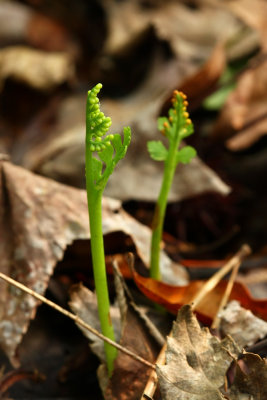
[
  {"x": 218, "y": 276},
  {"x": 225, "y": 298},
  {"x": 77, "y": 320}
]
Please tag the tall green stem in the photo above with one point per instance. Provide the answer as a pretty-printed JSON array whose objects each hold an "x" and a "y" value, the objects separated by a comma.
[
  {"x": 160, "y": 211},
  {"x": 175, "y": 128},
  {"x": 94, "y": 198},
  {"x": 109, "y": 150}
]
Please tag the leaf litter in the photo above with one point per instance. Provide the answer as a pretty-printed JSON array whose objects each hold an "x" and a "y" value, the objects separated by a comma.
[
  {"x": 197, "y": 363},
  {"x": 58, "y": 153},
  {"x": 39, "y": 218}
]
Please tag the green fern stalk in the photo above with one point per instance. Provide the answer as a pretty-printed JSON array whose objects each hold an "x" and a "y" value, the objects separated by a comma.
[
  {"x": 177, "y": 127},
  {"x": 102, "y": 155}
]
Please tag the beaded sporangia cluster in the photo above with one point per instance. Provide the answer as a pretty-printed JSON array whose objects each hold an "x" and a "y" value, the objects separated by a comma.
[
  {"x": 176, "y": 127},
  {"x": 109, "y": 148}
]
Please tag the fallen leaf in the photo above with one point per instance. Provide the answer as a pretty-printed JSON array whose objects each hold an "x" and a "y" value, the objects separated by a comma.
[
  {"x": 38, "y": 69},
  {"x": 127, "y": 23},
  {"x": 83, "y": 303},
  {"x": 251, "y": 380},
  {"x": 244, "y": 327},
  {"x": 194, "y": 33},
  {"x": 196, "y": 361},
  {"x": 38, "y": 219},
  {"x": 174, "y": 297},
  {"x": 243, "y": 117},
  {"x": 202, "y": 82},
  {"x": 253, "y": 14},
  {"x": 129, "y": 376}
]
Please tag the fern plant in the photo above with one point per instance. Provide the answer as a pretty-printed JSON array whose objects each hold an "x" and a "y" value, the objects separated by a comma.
[
  {"x": 176, "y": 128},
  {"x": 102, "y": 155}
]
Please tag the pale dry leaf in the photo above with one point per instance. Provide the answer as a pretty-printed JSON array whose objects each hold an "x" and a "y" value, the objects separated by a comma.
[
  {"x": 194, "y": 33},
  {"x": 127, "y": 23},
  {"x": 83, "y": 303},
  {"x": 244, "y": 327},
  {"x": 129, "y": 376},
  {"x": 38, "y": 219},
  {"x": 253, "y": 14},
  {"x": 38, "y": 69},
  {"x": 243, "y": 116},
  {"x": 196, "y": 361},
  {"x": 250, "y": 379},
  {"x": 14, "y": 19}
]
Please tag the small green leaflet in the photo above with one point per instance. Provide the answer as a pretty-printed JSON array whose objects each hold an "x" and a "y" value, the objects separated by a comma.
[
  {"x": 110, "y": 159},
  {"x": 157, "y": 150},
  {"x": 161, "y": 121},
  {"x": 185, "y": 155}
]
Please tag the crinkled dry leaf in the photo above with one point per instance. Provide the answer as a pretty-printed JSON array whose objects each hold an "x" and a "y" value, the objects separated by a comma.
[
  {"x": 251, "y": 379},
  {"x": 194, "y": 33},
  {"x": 127, "y": 23},
  {"x": 84, "y": 304},
  {"x": 244, "y": 327},
  {"x": 196, "y": 361},
  {"x": 36, "y": 68},
  {"x": 173, "y": 297},
  {"x": 129, "y": 376},
  {"x": 253, "y": 13},
  {"x": 243, "y": 116},
  {"x": 38, "y": 219}
]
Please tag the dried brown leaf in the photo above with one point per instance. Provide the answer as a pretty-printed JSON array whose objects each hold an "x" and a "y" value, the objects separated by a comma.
[
  {"x": 243, "y": 116},
  {"x": 251, "y": 379},
  {"x": 39, "y": 218},
  {"x": 194, "y": 33},
  {"x": 253, "y": 14},
  {"x": 127, "y": 23},
  {"x": 38, "y": 69},
  {"x": 83, "y": 303},
  {"x": 196, "y": 361},
  {"x": 129, "y": 377},
  {"x": 244, "y": 327}
]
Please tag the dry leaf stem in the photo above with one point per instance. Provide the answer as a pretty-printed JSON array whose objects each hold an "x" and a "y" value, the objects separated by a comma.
[
  {"x": 225, "y": 298},
  {"x": 218, "y": 276},
  {"x": 75, "y": 318}
]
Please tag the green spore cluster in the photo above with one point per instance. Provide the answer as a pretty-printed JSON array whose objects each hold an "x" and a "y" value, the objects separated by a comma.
[
  {"x": 99, "y": 124},
  {"x": 110, "y": 148}
]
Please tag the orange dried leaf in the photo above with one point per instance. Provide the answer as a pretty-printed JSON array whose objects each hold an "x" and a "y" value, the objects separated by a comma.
[{"x": 173, "y": 297}]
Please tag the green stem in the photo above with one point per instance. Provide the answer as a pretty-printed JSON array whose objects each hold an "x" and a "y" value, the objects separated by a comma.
[
  {"x": 94, "y": 198},
  {"x": 160, "y": 210}
]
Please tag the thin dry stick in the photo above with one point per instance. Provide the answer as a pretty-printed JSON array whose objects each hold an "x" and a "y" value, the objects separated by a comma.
[
  {"x": 152, "y": 382},
  {"x": 217, "y": 277},
  {"x": 209, "y": 285},
  {"x": 225, "y": 298},
  {"x": 77, "y": 320}
]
